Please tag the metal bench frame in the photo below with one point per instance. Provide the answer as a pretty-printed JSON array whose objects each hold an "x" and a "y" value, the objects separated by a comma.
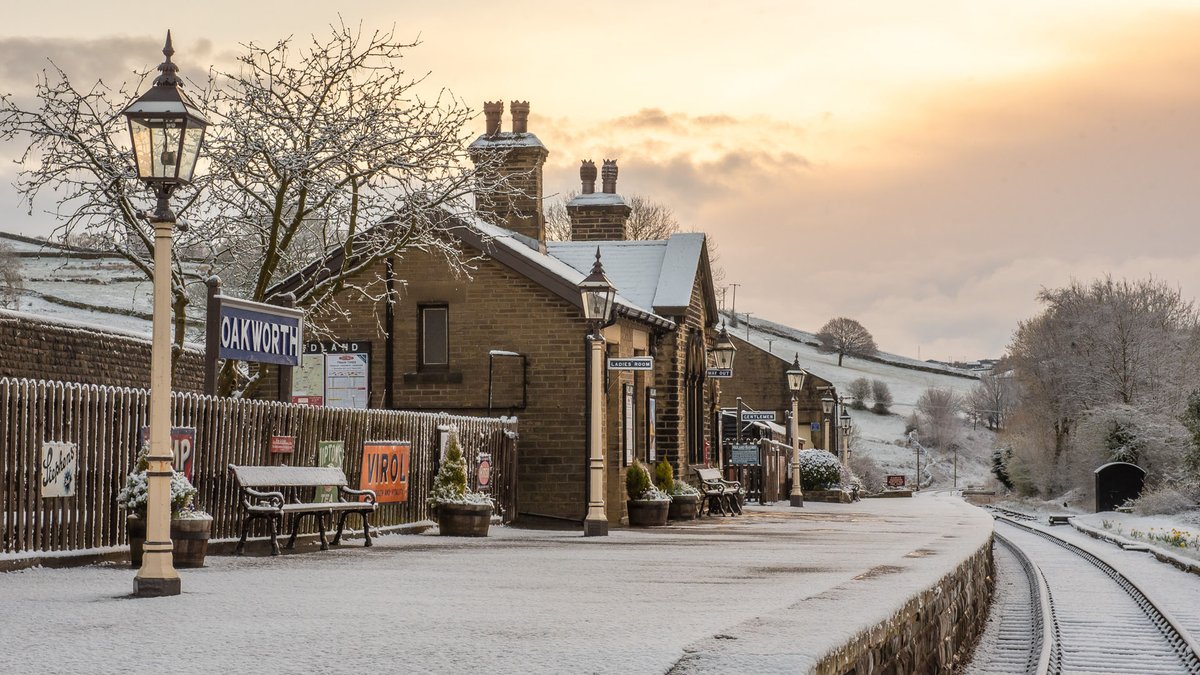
[
  {"x": 270, "y": 506},
  {"x": 718, "y": 492}
]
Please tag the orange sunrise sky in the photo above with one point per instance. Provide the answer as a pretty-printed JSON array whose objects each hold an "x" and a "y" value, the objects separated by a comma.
[{"x": 923, "y": 167}]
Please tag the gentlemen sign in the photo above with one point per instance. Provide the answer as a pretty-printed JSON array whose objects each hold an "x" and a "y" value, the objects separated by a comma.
[
  {"x": 255, "y": 331},
  {"x": 632, "y": 363},
  {"x": 758, "y": 415}
]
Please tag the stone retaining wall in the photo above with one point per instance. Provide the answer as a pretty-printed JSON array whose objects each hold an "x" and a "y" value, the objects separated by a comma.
[
  {"x": 932, "y": 633},
  {"x": 41, "y": 348}
]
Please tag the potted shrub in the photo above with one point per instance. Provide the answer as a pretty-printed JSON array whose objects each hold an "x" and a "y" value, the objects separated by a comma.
[
  {"x": 459, "y": 511},
  {"x": 685, "y": 499},
  {"x": 647, "y": 504},
  {"x": 190, "y": 527},
  {"x": 821, "y": 476}
]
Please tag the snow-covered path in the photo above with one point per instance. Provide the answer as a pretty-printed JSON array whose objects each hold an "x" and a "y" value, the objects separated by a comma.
[{"x": 790, "y": 585}]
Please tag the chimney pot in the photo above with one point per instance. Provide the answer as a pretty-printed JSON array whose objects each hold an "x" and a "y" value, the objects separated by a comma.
[
  {"x": 608, "y": 176},
  {"x": 520, "y": 116},
  {"x": 587, "y": 174},
  {"x": 492, "y": 110}
]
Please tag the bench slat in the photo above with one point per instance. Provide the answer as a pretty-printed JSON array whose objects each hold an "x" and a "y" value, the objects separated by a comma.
[{"x": 288, "y": 476}]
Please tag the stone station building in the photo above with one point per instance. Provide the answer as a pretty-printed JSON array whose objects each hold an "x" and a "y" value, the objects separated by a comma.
[{"x": 511, "y": 338}]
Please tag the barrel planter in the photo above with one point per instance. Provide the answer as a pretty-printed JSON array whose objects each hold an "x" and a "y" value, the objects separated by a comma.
[
  {"x": 463, "y": 520},
  {"x": 189, "y": 540},
  {"x": 684, "y": 507},
  {"x": 647, "y": 513}
]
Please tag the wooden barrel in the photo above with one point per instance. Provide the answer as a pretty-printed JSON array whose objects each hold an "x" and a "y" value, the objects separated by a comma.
[
  {"x": 464, "y": 520},
  {"x": 644, "y": 513},
  {"x": 188, "y": 536},
  {"x": 684, "y": 507}
]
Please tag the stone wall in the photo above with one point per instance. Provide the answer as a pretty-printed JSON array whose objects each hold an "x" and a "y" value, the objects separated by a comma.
[
  {"x": 932, "y": 633},
  {"x": 40, "y": 348}
]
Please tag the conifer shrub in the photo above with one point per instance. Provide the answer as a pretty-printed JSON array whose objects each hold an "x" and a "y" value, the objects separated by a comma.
[
  {"x": 639, "y": 486},
  {"x": 664, "y": 475},
  {"x": 450, "y": 484}
]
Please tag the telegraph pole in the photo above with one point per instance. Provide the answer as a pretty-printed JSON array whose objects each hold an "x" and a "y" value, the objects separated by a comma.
[{"x": 733, "y": 310}]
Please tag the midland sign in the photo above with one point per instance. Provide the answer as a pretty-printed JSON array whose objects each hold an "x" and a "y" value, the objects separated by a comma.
[
  {"x": 632, "y": 363},
  {"x": 254, "y": 331}
]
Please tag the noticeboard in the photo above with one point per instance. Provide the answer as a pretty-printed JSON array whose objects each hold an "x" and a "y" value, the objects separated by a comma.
[
  {"x": 743, "y": 454},
  {"x": 334, "y": 375}
]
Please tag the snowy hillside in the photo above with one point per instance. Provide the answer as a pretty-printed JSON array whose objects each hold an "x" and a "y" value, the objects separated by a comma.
[{"x": 882, "y": 436}]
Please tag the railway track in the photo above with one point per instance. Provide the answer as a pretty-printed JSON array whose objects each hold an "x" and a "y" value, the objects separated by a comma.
[{"x": 1071, "y": 612}]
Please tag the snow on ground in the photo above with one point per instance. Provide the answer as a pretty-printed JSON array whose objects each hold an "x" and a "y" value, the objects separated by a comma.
[
  {"x": 771, "y": 591},
  {"x": 1178, "y": 534},
  {"x": 882, "y": 436}
]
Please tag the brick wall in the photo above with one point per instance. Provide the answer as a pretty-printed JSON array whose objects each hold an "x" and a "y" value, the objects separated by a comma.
[
  {"x": 605, "y": 222},
  {"x": 43, "y": 349}
]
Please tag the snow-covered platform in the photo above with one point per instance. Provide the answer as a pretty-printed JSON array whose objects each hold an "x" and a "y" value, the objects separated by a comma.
[{"x": 774, "y": 590}]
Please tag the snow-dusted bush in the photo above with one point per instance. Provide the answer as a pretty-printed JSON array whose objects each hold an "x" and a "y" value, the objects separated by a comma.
[
  {"x": 860, "y": 391},
  {"x": 883, "y": 397},
  {"x": 639, "y": 486},
  {"x": 450, "y": 484},
  {"x": 819, "y": 469},
  {"x": 681, "y": 489},
  {"x": 871, "y": 478},
  {"x": 1164, "y": 500},
  {"x": 136, "y": 494}
]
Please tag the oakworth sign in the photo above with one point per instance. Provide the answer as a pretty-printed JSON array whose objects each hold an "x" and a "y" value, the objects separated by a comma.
[{"x": 254, "y": 331}]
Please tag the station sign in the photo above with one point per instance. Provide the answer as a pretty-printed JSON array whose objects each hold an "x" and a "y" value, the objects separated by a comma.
[
  {"x": 719, "y": 373},
  {"x": 758, "y": 415},
  {"x": 256, "y": 331},
  {"x": 632, "y": 363},
  {"x": 58, "y": 464}
]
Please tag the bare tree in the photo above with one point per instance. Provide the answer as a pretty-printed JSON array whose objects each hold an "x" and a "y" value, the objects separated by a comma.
[
  {"x": 846, "y": 337},
  {"x": 883, "y": 397},
  {"x": 991, "y": 400},
  {"x": 648, "y": 219},
  {"x": 860, "y": 391},
  {"x": 76, "y": 158},
  {"x": 10, "y": 278},
  {"x": 939, "y": 424}
]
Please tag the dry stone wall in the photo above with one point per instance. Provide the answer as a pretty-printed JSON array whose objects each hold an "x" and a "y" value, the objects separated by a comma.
[{"x": 39, "y": 348}]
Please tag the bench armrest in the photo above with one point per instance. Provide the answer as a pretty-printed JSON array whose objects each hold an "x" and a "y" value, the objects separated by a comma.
[
  {"x": 370, "y": 494},
  {"x": 274, "y": 499}
]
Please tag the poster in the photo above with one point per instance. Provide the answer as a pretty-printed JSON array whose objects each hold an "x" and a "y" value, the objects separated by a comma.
[
  {"x": 58, "y": 469},
  {"x": 346, "y": 380},
  {"x": 385, "y": 466},
  {"x": 183, "y": 446},
  {"x": 329, "y": 454},
  {"x": 334, "y": 374},
  {"x": 308, "y": 381},
  {"x": 628, "y": 426},
  {"x": 651, "y": 438}
]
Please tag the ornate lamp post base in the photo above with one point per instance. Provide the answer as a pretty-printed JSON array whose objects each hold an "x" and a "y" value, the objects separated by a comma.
[
  {"x": 155, "y": 588},
  {"x": 595, "y": 528},
  {"x": 797, "y": 500}
]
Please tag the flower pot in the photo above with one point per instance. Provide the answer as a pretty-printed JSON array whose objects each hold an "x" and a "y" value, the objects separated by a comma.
[
  {"x": 189, "y": 539},
  {"x": 684, "y": 507},
  {"x": 463, "y": 520},
  {"x": 646, "y": 513}
]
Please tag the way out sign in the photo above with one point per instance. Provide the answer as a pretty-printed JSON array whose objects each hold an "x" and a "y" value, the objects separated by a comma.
[
  {"x": 385, "y": 467},
  {"x": 632, "y": 363}
]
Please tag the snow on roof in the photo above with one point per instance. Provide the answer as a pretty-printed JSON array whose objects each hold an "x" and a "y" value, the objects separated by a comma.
[
  {"x": 499, "y": 236},
  {"x": 681, "y": 263},
  {"x": 598, "y": 199},
  {"x": 507, "y": 139},
  {"x": 633, "y": 266}
]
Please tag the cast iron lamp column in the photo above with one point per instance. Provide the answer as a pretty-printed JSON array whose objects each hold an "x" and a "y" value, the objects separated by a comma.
[
  {"x": 795, "y": 380},
  {"x": 598, "y": 294},
  {"x": 827, "y": 408},
  {"x": 845, "y": 424},
  {"x": 166, "y": 129}
]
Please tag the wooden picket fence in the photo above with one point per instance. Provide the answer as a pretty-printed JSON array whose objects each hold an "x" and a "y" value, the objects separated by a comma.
[
  {"x": 767, "y": 482},
  {"x": 104, "y": 423}
]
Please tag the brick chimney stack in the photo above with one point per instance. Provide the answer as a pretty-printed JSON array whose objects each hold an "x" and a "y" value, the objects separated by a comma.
[
  {"x": 512, "y": 160},
  {"x": 492, "y": 110},
  {"x": 599, "y": 216},
  {"x": 608, "y": 176},
  {"x": 587, "y": 174},
  {"x": 520, "y": 115}
]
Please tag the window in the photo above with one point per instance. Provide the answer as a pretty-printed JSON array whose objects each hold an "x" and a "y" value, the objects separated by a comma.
[{"x": 434, "y": 348}]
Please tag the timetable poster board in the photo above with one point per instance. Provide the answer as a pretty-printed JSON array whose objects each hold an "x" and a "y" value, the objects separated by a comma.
[{"x": 334, "y": 375}]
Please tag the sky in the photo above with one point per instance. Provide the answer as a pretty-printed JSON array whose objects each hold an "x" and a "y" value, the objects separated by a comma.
[{"x": 923, "y": 167}]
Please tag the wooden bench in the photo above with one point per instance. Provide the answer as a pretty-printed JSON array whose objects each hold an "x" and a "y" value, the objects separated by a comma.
[
  {"x": 718, "y": 492},
  {"x": 1059, "y": 520},
  {"x": 271, "y": 507}
]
